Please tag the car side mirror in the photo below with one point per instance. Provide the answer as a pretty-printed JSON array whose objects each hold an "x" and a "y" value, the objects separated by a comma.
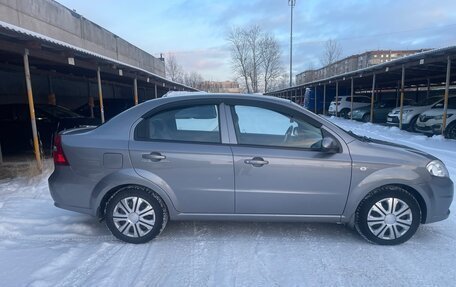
[{"x": 329, "y": 145}]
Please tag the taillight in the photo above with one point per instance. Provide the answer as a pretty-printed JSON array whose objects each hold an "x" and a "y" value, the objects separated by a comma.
[{"x": 57, "y": 152}]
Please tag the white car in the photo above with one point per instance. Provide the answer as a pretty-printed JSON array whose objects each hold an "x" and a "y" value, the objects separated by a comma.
[
  {"x": 344, "y": 105},
  {"x": 410, "y": 113},
  {"x": 430, "y": 122}
]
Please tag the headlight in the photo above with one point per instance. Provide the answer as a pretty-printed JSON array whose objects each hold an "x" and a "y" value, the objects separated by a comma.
[
  {"x": 437, "y": 168},
  {"x": 441, "y": 117}
]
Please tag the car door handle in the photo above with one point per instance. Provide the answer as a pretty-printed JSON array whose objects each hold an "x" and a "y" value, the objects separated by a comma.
[
  {"x": 256, "y": 161},
  {"x": 153, "y": 156}
]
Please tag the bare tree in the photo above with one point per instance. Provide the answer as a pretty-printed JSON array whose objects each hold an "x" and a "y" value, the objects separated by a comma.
[
  {"x": 192, "y": 79},
  {"x": 174, "y": 71},
  {"x": 331, "y": 53},
  {"x": 271, "y": 63},
  {"x": 255, "y": 57},
  {"x": 240, "y": 55}
]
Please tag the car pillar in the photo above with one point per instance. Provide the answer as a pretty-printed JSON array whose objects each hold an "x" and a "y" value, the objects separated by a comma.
[
  {"x": 100, "y": 95},
  {"x": 28, "y": 83},
  {"x": 372, "y": 100},
  {"x": 401, "y": 103},
  {"x": 445, "y": 100}
]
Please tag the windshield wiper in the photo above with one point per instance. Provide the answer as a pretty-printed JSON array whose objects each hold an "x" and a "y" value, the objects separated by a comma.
[{"x": 361, "y": 138}]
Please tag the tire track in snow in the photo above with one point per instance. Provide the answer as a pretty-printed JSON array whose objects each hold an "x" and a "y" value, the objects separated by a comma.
[{"x": 89, "y": 266}]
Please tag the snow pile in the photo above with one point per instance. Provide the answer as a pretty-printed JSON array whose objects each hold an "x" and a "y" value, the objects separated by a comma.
[{"x": 41, "y": 245}]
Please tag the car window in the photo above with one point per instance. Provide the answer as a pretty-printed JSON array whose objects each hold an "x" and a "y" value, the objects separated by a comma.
[
  {"x": 452, "y": 103},
  {"x": 266, "y": 127},
  {"x": 190, "y": 124}
]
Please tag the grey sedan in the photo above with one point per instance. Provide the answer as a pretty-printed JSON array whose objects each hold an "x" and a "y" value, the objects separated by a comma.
[{"x": 243, "y": 157}]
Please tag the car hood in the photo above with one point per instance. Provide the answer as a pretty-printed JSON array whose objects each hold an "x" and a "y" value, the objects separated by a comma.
[
  {"x": 437, "y": 112},
  {"x": 389, "y": 153},
  {"x": 417, "y": 109}
]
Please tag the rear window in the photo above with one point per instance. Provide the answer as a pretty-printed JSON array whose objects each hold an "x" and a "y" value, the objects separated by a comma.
[{"x": 187, "y": 124}]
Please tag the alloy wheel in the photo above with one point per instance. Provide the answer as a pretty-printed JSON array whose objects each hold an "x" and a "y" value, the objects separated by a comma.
[{"x": 389, "y": 218}]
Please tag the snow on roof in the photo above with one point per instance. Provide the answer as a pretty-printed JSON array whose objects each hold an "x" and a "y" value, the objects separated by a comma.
[{"x": 51, "y": 40}]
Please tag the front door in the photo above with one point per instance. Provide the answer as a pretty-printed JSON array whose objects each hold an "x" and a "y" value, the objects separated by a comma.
[{"x": 280, "y": 169}]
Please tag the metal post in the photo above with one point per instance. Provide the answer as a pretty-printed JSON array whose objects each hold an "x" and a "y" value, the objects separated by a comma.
[
  {"x": 351, "y": 100},
  {"x": 155, "y": 87},
  {"x": 301, "y": 99},
  {"x": 135, "y": 90},
  {"x": 372, "y": 100},
  {"x": 397, "y": 93},
  {"x": 291, "y": 3},
  {"x": 296, "y": 95},
  {"x": 315, "y": 99},
  {"x": 28, "y": 83},
  {"x": 337, "y": 98},
  {"x": 445, "y": 101},
  {"x": 401, "y": 102},
  {"x": 100, "y": 96},
  {"x": 324, "y": 99}
]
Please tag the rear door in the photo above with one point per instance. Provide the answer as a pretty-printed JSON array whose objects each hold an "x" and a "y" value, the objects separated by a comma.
[
  {"x": 279, "y": 168},
  {"x": 181, "y": 150}
]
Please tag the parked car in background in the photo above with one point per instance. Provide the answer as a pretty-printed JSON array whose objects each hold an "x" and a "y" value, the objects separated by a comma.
[
  {"x": 344, "y": 105},
  {"x": 16, "y": 127},
  {"x": 430, "y": 122},
  {"x": 411, "y": 112},
  {"x": 381, "y": 110},
  {"x": 111, "y": 108},
  {"x": 243, "y": 157}
]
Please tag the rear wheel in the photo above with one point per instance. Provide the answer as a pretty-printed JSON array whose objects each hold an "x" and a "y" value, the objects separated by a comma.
[
  {"x": 450, "y": 131},
  {"x": 388, "y": 216},
  {"x": 135, "y": 215}
]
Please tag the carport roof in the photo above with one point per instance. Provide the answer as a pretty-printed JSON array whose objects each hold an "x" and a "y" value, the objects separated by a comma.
[
  {"x": 25, "y": 34},
  {"x": 419, "y": 67}
]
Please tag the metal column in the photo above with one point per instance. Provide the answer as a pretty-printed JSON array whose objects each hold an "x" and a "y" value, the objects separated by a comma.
[
  {"x": 324, "y": 99},
  {"x": 401, "y": 102},
  {"x": 155, "y": 87},
  {"x": 372, "y": 100},
  {"x": 100, "y": 96},
  {"x": 135, "y": 90},
  {"x": 351, "y": 100},
  {"x": 28, "y": 83},
  {"x": 445, "y": 101},
  {"x": 315, "y": 99},
  {"x": 337, "y": 98}
]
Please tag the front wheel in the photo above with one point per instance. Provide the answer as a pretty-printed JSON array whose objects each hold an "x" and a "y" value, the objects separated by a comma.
[
  {"x": 135, "y": 215},
  {"x": 388, "y": 216},
  {"x": 366, "y": 118}
]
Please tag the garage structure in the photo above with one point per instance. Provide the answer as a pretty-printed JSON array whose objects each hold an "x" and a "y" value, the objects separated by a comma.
[
  {"x": 418, "y": 75},
  {"x": 39, "y": 69}
]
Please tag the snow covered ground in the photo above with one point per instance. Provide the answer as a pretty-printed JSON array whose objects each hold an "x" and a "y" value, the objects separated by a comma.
[{"x": 41, "y": 245}]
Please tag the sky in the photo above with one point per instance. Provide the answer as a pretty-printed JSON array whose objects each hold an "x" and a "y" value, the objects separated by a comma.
[{"x": 195, "y": 31}]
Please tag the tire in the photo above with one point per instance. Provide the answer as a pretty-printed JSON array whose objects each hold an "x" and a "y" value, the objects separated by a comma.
[
  {"x": 135, "y": 215},
  {"x": 411, "y": 127},
  {"x": 450, "y": 131},
  {"x": 344, "y": 113},
  {"x": 374, "y": 222},
  {"x": 366, "y": 118}
]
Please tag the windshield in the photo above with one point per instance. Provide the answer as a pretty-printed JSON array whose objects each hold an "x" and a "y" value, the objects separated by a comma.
[
  {"x": 427, "y": 102},
  {"x": 59, "y": 112}
]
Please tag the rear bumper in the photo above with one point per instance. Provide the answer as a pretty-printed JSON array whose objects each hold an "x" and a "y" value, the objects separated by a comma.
[{"x": 70, "y": 191}]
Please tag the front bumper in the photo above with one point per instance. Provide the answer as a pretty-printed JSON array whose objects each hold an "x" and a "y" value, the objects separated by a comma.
[
  {"x": 440, "y": 192},
  {"x": 428, "y": 129}
]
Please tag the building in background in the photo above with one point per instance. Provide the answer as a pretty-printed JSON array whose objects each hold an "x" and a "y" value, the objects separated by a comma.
[
  {"x": 219, "y": 87},
  {"x": 352, "y": 63}
]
